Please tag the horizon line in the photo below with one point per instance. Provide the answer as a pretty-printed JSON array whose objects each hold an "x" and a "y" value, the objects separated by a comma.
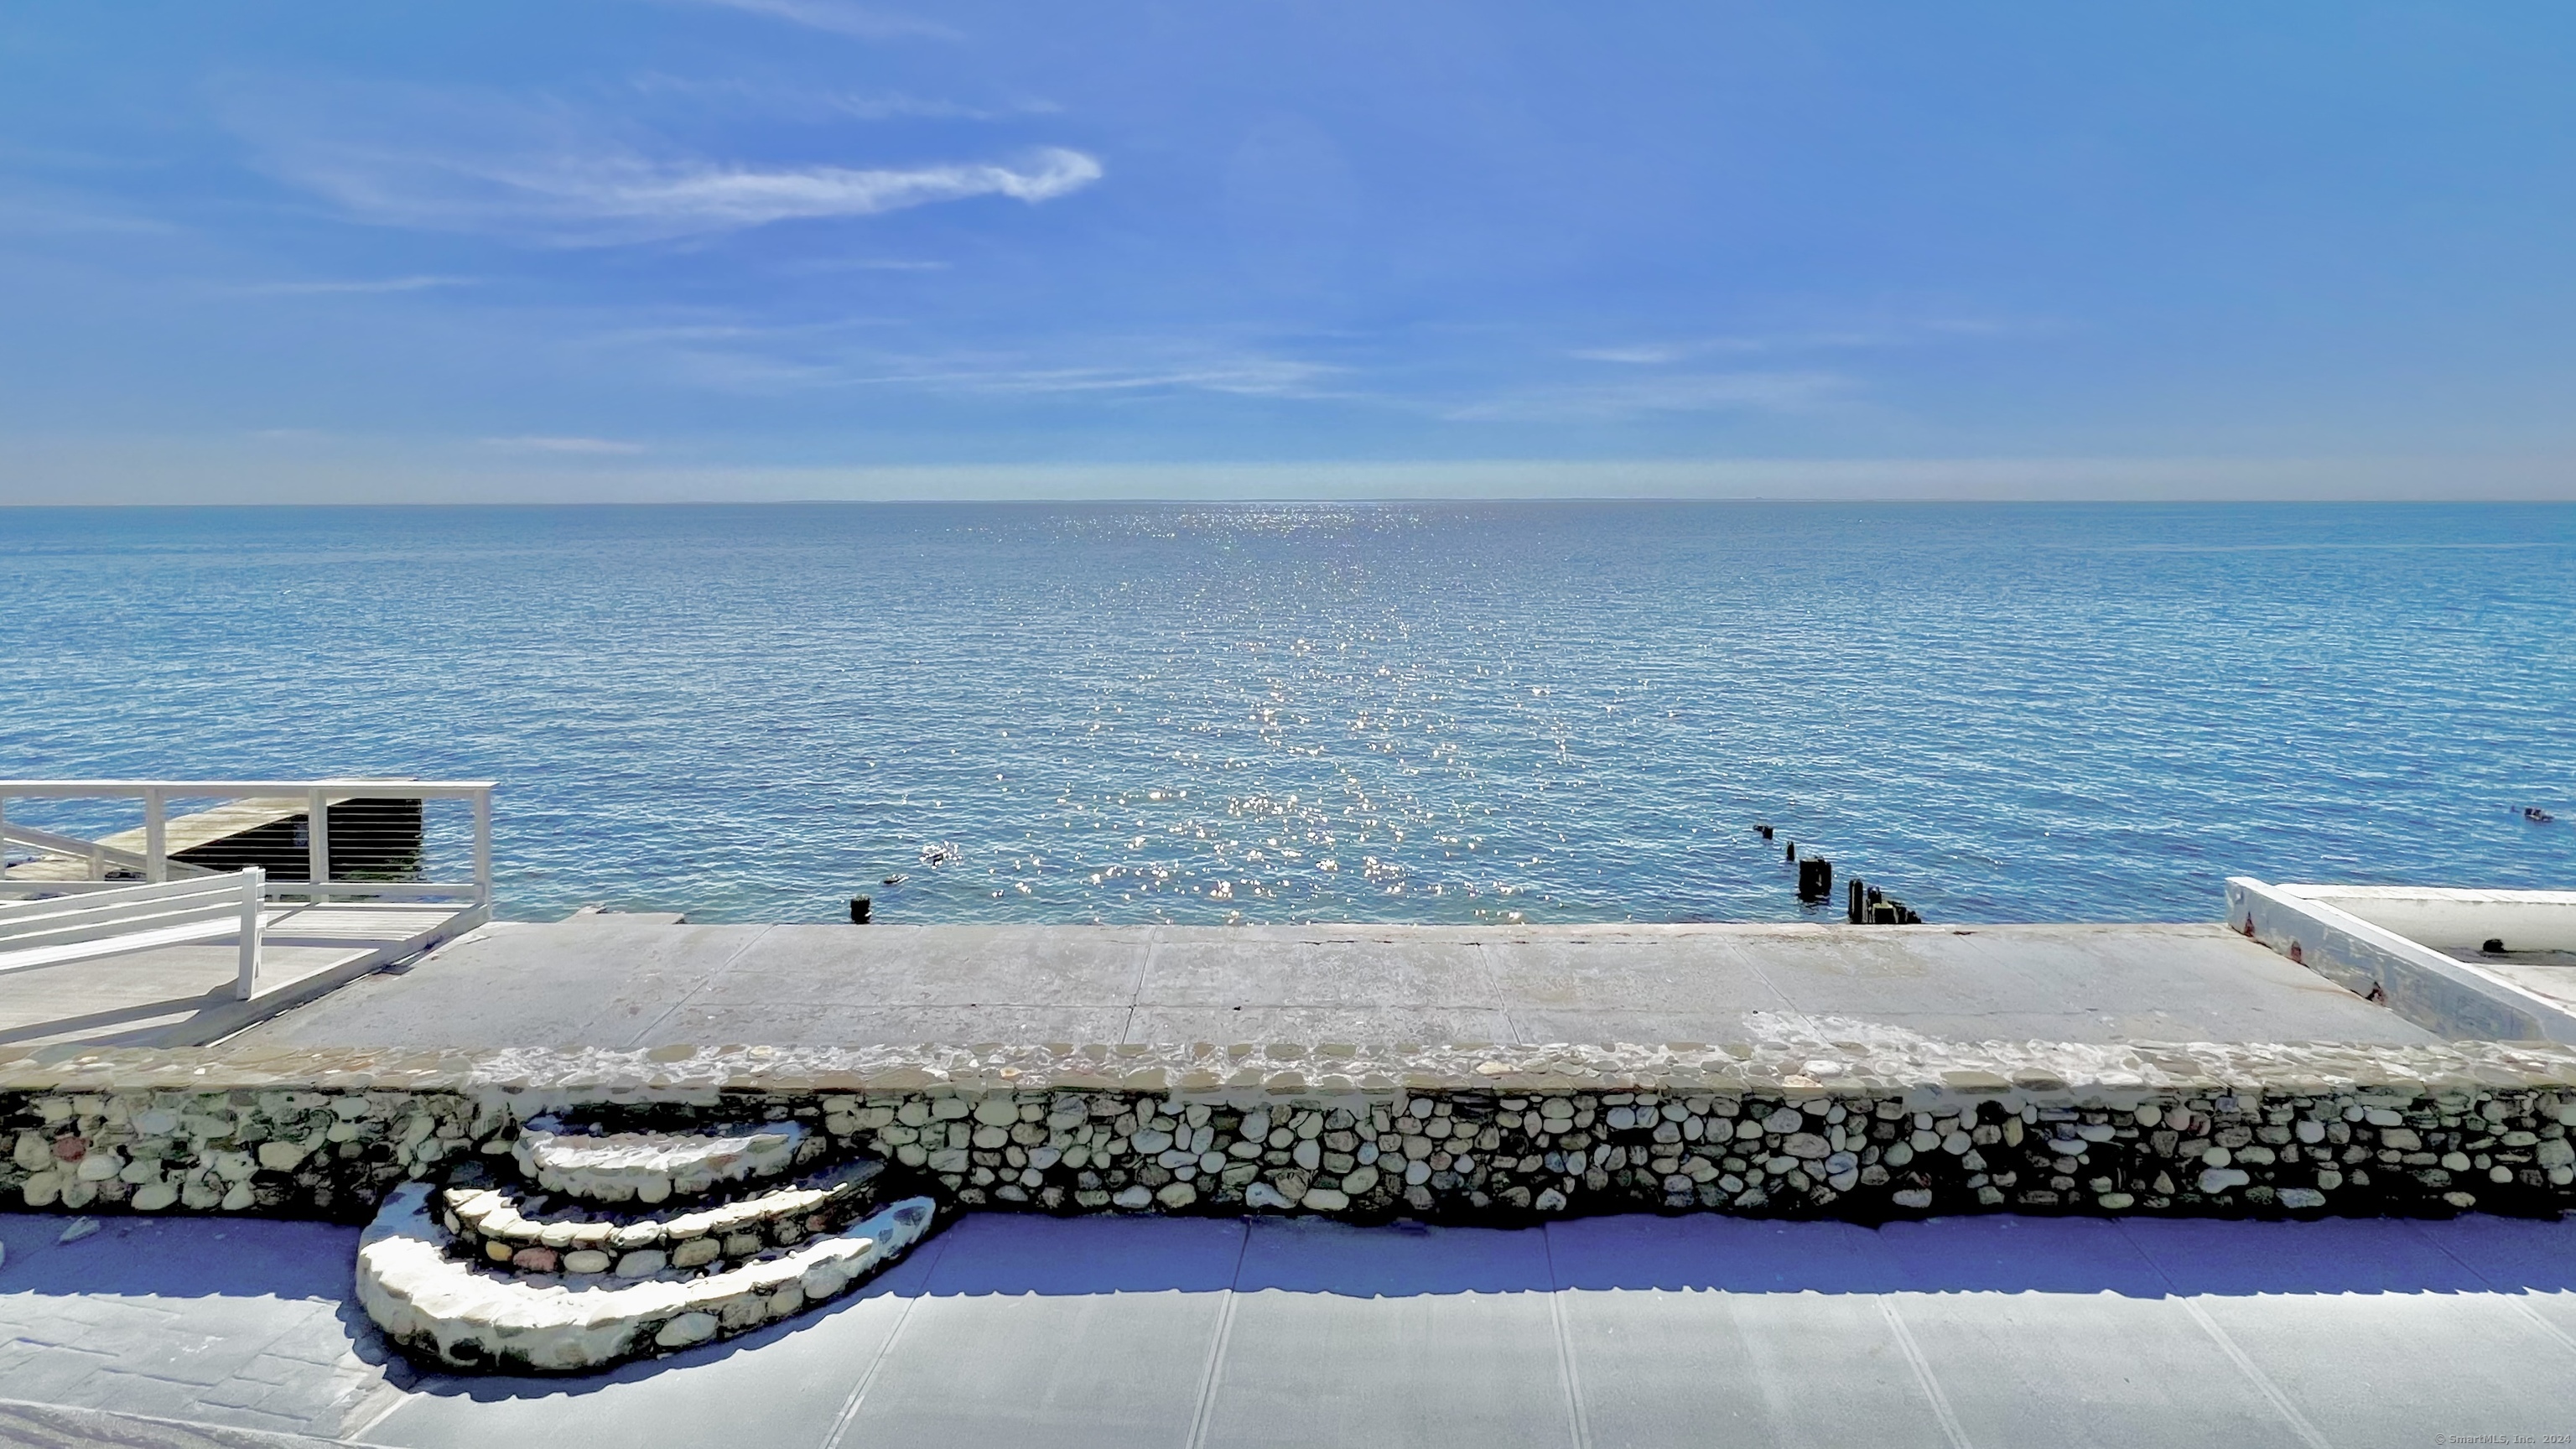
[
  {"x": 169, "y": 472},
  {"x": 1390, "y": 501}
]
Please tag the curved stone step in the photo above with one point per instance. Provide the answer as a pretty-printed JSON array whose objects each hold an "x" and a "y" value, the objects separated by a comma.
[
  {"x": 652, "y": 1167},
  {"x": 488, "y": 1225},
  {"x": 435, "y": 1304}
]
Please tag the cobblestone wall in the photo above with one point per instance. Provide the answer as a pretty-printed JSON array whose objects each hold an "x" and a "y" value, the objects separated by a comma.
[
  {"x": 1456, "y": 1133},
  {"x": 293, "y": 1153},
  {"x": 1470, "y": 1155}
]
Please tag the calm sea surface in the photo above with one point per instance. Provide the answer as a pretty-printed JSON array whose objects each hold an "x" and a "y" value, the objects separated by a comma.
[{"x": 1549, "y": 713}]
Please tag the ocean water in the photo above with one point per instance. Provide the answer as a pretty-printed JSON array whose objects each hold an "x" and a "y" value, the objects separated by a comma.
[{"x": 1434, "y": 713}]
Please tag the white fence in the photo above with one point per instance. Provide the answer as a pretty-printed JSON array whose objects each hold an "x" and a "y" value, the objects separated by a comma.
[
  {"x": 156, "y": 866},
  {"x": 89, "y": 921}
]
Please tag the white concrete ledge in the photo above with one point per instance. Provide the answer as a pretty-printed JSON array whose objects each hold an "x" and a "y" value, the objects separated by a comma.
[
  {"x": 2312, "y": 926},
  {"x": 437, "y": 1305},
  {"x": 2444, "y": 917}
]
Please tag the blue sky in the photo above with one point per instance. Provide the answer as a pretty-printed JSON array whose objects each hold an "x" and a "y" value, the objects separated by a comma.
[{"x": 810, "y": 248}]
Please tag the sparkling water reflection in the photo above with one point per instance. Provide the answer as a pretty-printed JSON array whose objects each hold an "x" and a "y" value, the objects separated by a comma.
[{"x": 1396, "y": 713}]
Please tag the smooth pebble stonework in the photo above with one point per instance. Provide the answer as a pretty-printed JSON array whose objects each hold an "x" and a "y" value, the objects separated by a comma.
[{"x": 1457, "y": 1133}]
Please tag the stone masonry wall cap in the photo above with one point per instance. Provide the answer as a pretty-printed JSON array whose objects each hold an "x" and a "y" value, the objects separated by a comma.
[{"x": 536, "y": 1080}]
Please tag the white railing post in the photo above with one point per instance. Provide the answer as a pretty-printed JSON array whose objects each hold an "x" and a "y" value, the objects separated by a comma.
[
  {"x": 317, "y": 844},
  {"x": 483, "y": 847},
  {"x": 4, "y": 837},
  {"x": 254, "y": 895},
  {"x": 156, "y": 836}
]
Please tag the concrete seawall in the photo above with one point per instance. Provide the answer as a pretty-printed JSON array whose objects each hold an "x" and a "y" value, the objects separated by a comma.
[
  {"x": 1764, "y": 1072},
  {"x": 491, "y": 1271},
  {"x": 1526, "y": 1130}
]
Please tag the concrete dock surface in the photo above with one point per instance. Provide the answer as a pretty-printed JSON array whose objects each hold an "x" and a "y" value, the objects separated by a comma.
[
  {"x": 1009, "y": 1330},
  {"x": 184, "y": 995},
  {"x": 1593, "y": 1334},
  {"x": 633, "y": 982}
]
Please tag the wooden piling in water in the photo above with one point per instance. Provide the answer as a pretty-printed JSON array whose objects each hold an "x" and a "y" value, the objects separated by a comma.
[
  {"x": 1815, "y": 878},
  {"x": 1867, "y": 905}
]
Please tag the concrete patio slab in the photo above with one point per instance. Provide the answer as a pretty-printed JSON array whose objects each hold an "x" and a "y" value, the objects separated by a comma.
[
  {"x": 1012, "y": 1345},
  {"x": 1026, "y": 1331},
  {"x": 1423, "y": 1339}
]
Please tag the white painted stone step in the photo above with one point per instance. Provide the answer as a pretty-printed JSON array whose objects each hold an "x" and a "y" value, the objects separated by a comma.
[
  {"x": 436, "y": 1304},
  {"x": 650, "y": 1167},
  {"x": 489, "y": 1221}
]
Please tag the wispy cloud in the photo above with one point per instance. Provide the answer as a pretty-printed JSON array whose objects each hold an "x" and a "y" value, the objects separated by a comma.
[
  {"x": 31, "y": 212},
  {"x": 810, "y": 355},
  {"x": 765, "y": 95},
  {"x": 603, "y": 200},
  {"x": 385, "y": 284},
  {"x": 1766, "y": 392},
  {"x": 1641, "y": 355},
  {"x": 594, "y": 446},
  {"x": 1650, "y": 354},
  {"x": 1906, "y": 332},
  {"x": 898, "y": 106},
  {"x": 859, "y": 22},
  {"x": 1242, "y": 376},
  {"x": 698, "y": 197},
  {"x": 815, "y": 265},
  {"x": 552, "y": 176}
]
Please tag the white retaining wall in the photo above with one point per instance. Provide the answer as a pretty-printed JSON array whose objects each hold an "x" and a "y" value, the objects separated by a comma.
[{"x": 2367, "y": 938}]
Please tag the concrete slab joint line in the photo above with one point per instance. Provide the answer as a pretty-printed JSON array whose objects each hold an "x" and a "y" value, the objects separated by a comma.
[
  {"x": 1568, "y": 1366},
  {"x": 1942, "y": 1414},
  {"x": 876, "y": 1363},
  {"x": 60, "y": 1426},
  {"x": 701, "y": 988},
  {"x": 2521, "y": 1303},
  {"x": 2262, "y": 1381},
  {"x": 1212, "y": 1376}
]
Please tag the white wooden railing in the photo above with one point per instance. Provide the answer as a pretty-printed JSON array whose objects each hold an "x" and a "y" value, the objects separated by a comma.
[
  {"x": 91, "y": 921},
  {"x": 156, "y": 865}
]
